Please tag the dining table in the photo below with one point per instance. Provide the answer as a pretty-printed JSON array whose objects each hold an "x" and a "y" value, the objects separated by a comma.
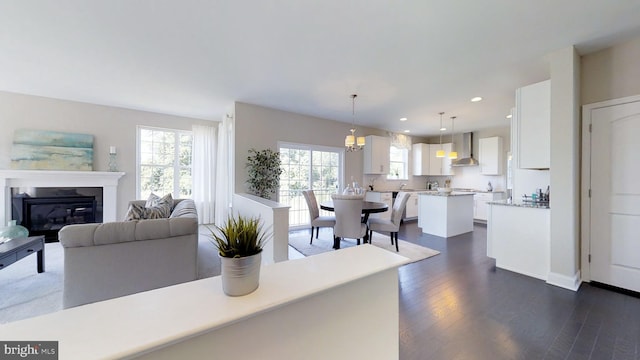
[{"x": 368, "y": 208}]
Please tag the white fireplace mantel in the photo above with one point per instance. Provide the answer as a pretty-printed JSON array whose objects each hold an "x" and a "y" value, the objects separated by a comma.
[{"x": 108, "y": 181}]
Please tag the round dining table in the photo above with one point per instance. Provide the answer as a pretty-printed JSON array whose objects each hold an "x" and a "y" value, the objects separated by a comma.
[{"x": 368, "y": 207}]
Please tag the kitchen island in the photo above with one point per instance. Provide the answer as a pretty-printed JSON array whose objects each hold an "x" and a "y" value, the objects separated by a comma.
[{"x": 445, "y": 215}]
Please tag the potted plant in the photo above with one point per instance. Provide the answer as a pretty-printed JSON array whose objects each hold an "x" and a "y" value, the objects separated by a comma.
[
  {"x": 264, "y": 172},
  {"x": 239, "y": 242}
]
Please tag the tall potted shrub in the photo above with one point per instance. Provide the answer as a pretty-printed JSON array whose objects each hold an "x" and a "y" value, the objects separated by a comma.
[
  {"x": 264, "y": 172},
  {"x": 239, "y": 242}
]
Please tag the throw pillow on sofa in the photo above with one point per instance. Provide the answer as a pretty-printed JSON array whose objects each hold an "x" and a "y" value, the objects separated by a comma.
[
  {"x": 155, "y": 208},
  {"x": 162, "y": 204}
]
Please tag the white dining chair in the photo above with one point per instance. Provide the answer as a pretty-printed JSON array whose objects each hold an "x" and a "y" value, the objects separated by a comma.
[
  {"x": 348, "y": 211},
  {"x": 317, "y": 221},
  {"x": 391, "y": 225}
]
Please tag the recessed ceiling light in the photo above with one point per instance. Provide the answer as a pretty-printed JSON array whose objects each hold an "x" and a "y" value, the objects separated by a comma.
[
  {"x": 407, "y": 131},
  {"x": 443, "y": 129},
  {"x": 403, "y": 119},
  {"x": 509, "y": 116},
  {"x": 476, "y": 99}
]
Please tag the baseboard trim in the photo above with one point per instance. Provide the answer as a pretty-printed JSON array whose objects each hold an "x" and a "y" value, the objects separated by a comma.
[{"x": 564, "y": 281}]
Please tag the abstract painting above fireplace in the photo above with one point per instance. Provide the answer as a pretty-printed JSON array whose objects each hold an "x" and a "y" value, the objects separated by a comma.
[{"x": 51, "y": 150}]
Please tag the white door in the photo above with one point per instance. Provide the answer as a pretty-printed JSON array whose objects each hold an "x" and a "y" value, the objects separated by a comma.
[{"x": 615, "y": 195}]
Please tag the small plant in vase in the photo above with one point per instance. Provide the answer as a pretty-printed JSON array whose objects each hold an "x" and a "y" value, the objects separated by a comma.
[{"x": 240, "y": 242}]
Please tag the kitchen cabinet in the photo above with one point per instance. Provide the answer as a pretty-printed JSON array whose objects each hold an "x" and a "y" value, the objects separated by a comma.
[
  {"x": 519, "y": 239},
  {"x": 425, "y": 161},
  {"x": 376, "y": 155},
  {"x": 411, "y": 211},
  {"x": 533, "y": 114},
  {"x": 480, "y": 206},
  {"x": 381, "y": 196},
  {"x": 491, "y": 156},
  {"x": 420, "y": 159},
  {"x": 446, "y": 168}
]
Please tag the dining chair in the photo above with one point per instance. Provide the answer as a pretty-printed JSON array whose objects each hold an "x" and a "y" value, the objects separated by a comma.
[
  {"x": 392, "y": 225},
  {"x": 317, "y": 221},
  {"x": 348, "y": 211}
]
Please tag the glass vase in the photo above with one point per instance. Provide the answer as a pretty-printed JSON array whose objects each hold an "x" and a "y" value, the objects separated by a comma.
[{"x": 13, "y": 231}]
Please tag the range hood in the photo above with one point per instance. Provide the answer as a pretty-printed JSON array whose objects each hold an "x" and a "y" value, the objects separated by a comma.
[{"x": 466, "y": 153}]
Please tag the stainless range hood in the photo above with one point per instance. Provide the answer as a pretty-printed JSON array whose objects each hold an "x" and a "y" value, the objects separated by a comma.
[{"x": 466, "y": 154}]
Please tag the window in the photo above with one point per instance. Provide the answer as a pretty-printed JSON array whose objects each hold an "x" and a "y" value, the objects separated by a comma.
[
  {"x": 398, "y": 163},
  {"x": 308, "y": 167},
  {"x": 164, "y": 162}
]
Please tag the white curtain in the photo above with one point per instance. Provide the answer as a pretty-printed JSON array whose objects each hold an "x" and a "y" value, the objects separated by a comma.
[
  {"x": 224, "y": 176},
  {"x": 204, "y": 172},
  {"x": 401, "y": 141}
]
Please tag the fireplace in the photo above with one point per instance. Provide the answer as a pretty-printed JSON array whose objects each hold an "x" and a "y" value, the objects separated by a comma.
[
  {"x": 46, "y": 215},
  {"x": 106, "y": 182}
]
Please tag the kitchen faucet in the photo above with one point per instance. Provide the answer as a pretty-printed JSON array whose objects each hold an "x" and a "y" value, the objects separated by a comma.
[{"x": 402, "y": 186}]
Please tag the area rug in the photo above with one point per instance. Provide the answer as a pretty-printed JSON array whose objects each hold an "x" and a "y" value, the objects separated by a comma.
[{"x": 324, "y": 243}]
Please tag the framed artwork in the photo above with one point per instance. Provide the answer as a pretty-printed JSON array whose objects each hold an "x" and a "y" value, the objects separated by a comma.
[{"x": 51, "y": 150}]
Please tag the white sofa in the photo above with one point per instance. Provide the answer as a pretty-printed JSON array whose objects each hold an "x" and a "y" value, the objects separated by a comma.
[{"x": 103, "y": 261}]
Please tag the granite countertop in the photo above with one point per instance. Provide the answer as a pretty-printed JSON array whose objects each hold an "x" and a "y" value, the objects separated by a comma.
[
  {"x": 453, "y": 193},
  {"x": 478, "y": 191},
  {"x": 520, "y": 204}
]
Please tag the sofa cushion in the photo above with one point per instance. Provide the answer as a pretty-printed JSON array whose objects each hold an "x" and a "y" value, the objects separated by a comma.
[{"x": 184, "y": 208}]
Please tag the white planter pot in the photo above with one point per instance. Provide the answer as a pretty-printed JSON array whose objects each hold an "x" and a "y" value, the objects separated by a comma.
[{"x": 240, "y": 276}]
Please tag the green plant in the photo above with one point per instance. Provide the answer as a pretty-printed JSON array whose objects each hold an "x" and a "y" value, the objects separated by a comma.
[
  {"x": 264, "y": 172},
  {"x": 239, "y": 237}
]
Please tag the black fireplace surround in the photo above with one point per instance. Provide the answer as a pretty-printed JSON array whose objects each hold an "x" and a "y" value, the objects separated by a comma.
[{"x": 46, "y": 215}]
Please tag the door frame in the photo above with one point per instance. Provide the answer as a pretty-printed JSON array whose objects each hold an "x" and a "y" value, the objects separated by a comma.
[{"x": 585, "y": 187}]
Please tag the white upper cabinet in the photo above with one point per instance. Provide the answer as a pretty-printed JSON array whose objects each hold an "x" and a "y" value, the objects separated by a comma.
[
  {"x": 420, "y": 159},
  {"x": 446, "y": 168},
  {"x": 435, "y": 163},
  {"x": 491, "y": 156},
  {"x": 533, "y": 114},
  {"x": 425, "y": 161},
  {"x": 376, "y": 155}
]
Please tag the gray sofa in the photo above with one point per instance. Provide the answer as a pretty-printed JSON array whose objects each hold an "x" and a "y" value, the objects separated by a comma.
[{"x": 103, "y": 261}]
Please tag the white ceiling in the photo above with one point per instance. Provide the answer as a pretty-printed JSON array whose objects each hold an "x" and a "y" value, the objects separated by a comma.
[{"x": 410, "y": 58}]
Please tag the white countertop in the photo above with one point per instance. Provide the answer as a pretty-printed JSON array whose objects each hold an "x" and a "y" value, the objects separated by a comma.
[{"x": 132, "y": 325}]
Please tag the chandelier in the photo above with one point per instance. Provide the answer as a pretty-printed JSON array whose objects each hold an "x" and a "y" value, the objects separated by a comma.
[{"x": 353, "y": 142}]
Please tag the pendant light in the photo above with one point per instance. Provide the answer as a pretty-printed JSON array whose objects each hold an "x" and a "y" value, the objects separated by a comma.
[
  {"x": 440, "y": 153},
  {"x": 452, "y": 154},
  {"x": 351, "y": 142}
]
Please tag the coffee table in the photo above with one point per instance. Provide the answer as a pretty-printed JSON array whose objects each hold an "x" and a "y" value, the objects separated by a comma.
[{"x": 17, "y": 249}]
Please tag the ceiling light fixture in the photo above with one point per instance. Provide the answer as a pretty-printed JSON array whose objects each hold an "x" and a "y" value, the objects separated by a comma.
[
  {"x": 452, "y": 154},
  {"x": 476, "y": 99},
  {"x": 440, "y": 153},
  {"x": 403, "y": 119},
  {"x": 351, "y": 142},
  {"x": 508, "y": 116},
  {"x": 407, "y": 131}
]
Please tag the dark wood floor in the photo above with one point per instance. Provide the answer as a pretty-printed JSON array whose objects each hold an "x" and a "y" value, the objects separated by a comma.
[{"x": 457, "y": 305}]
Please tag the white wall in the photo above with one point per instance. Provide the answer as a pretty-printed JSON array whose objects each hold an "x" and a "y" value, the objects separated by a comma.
[
  {"x": 109, "y": 126},
  {"x": 565, "y": 165},
  {"x": 611, "y": 73}
]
